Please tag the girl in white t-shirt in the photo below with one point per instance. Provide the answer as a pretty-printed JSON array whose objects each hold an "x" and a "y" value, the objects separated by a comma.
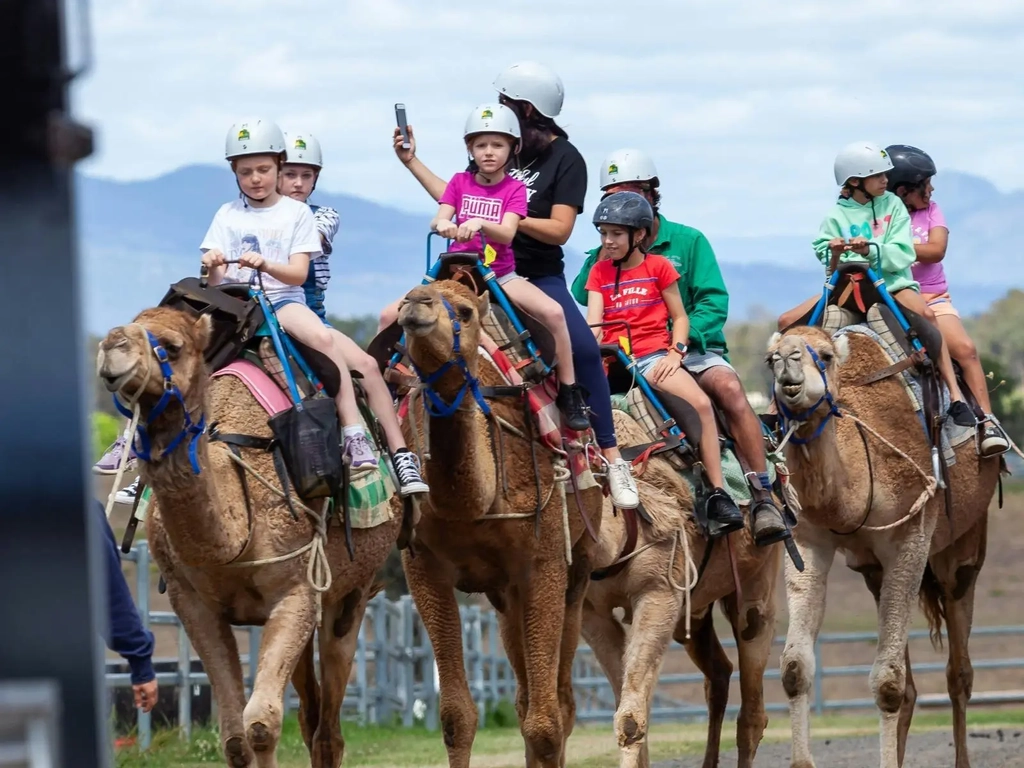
[{"x": 276, "y": 235}]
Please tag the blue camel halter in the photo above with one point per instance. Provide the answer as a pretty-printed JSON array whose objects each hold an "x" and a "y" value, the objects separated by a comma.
[
  {"x": 433, "y": 402},
  {"x": 171, "y": 391},
  {"x": 789, "y": 417}
]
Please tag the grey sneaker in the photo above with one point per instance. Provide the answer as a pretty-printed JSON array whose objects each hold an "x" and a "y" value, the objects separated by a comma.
[
  {"x": 127, "y": 494},
  {"x": 407, "y": 471},
  {"x": 359, "y": 450},
  {"x": 111, "y": 460}
]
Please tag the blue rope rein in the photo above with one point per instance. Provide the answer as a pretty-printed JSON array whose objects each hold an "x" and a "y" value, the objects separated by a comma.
[{"x": 142, "y": 443}]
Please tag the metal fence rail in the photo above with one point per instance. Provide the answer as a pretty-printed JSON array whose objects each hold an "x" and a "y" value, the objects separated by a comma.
[{"x": 394, "y": 677}]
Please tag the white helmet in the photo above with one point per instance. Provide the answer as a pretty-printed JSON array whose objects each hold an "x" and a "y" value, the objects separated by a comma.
[
  {"x": 492, "y": 118},
  {"x": 303, "y": 148},
  {"x": 254, "y": 136},
  {"x": 534, "y": 83},
  {"x": 860, "y": 160},
  {"x": 626, "y": 165}
]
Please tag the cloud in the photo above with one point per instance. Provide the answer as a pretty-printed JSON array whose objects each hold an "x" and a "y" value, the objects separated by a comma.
[{"x": 742, "y": 103}]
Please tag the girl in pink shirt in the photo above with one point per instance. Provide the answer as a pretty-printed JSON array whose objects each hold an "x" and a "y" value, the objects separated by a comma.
[{"x": 911, "y": 180}]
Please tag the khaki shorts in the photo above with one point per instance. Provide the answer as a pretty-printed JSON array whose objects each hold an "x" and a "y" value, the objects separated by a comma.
[{"x": 940, "y": 304}]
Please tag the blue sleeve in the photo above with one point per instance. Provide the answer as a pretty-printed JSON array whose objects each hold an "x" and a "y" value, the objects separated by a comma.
[{"x": 125, "y": 634}]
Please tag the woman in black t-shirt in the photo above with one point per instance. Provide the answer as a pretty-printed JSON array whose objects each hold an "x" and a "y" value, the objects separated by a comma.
[{"x": 555, "y": 176}]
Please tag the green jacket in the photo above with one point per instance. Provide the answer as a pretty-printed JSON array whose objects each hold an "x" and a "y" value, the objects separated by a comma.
[{"x": 700, "y": 282}]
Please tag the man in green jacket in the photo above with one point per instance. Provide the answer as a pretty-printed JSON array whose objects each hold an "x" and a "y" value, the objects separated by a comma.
[{"x": 707, "y": 304}]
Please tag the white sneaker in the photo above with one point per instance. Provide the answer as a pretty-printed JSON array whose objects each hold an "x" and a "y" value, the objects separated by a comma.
[
  {"x": 622, "y": 485},
  {"x": 127, "y": 494}
]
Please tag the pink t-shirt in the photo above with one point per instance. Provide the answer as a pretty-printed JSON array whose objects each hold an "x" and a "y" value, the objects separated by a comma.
[
  {"x": 932, "y": 277},
  {"x": 472, "y": 200}
]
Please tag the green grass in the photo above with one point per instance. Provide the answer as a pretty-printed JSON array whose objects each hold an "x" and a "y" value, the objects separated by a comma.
[{"x": 589, "y": 747}]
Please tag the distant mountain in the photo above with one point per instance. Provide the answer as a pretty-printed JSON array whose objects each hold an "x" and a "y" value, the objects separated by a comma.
[{"x": 139, "y": 237}]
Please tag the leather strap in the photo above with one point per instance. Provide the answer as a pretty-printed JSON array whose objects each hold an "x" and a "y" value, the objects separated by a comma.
[{"x": 889, "y": 370}]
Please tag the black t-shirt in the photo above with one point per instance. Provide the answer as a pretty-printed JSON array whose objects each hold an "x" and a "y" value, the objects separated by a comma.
[{"x": 558, "y": 176}]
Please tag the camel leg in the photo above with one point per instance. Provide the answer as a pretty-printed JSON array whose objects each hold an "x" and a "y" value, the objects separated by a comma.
[
  {"x": 576, "y": 590},
  {"x": 654, "y": 618},
  {"x": 543, "y": 622},
  {"x": 753, "y": 627},
  {"x": 434, "y": 596},
  {"x": 285, "y": 635},
  {"x": 308, "y": 689},
  {"x": 706, "y": 651},
  {"x": 805, "y": 596},
  {"x": 901, "y": 580},
  {"x": 607, "y": 640},
  {"x": 338, "y": 641},
  {"x": 873, "y": 578}
]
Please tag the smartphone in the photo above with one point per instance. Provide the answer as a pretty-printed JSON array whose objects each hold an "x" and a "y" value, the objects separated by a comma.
[{"x": 403, "y": 126}]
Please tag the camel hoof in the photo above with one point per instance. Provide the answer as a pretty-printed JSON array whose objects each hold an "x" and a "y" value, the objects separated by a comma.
[
  {"x": 234, "y": 751},
  {"x": 259, "y": 738}
]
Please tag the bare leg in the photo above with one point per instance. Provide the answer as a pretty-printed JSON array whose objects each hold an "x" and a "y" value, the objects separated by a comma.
[
  {"x": 215, "y": 643},
  {"x": 805, "y": 596},
  {"x": 300, "y": 321},
  {"x": 435, "y": 598},
  {"x": 710, "y": 658},
  {"x": 285, "y": 635},
  {"x": 531, "y": 298},
  {"x": 682, "y": 384},
  {"x": 791, "y": 316},
  {"x": 962, "y": 349},
  {"x": 913, "y": 301},
  {"x": 388, "y": 315},
  {"x": 377, "y": 393},
  {"x": 724, "y": 387}
]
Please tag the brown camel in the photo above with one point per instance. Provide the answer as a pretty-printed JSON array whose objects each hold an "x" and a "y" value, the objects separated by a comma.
[
  {"x": 519, "y": 562},
  {"x": 650, "y": 590},
  {"x": 206, "y": 539},
  {"x": 866, "y": 489}
]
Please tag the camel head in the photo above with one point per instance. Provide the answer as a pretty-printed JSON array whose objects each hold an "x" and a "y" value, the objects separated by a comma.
[
  {"x": 127, "y": 360},
  {"x": 804, "y": 364}
]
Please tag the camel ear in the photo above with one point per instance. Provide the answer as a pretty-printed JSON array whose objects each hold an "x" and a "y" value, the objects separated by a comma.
[
  {"x": 842, "y": 346},
  {"x": 483, "y": 304},
  {"x": 775, "y": 339},
  {"x": 203, "y": 331}
]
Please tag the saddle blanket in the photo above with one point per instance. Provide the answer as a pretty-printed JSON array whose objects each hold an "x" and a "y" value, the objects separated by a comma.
[
  {"x": 369, "y": 493},
  {"x": 953, "y": 435}
]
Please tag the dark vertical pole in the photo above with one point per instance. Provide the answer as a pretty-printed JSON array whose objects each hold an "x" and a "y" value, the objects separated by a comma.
[{"x": 52, "y": 591}]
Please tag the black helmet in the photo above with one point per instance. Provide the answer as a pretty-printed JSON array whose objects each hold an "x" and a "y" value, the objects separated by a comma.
[
  {"x": 625, "y": 209},
  {"x": 911, "y": 166}
]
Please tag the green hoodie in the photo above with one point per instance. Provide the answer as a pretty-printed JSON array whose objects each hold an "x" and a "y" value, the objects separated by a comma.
[
  {"x": 700, "y": 282},
  {"x": 849, "y": 219}
]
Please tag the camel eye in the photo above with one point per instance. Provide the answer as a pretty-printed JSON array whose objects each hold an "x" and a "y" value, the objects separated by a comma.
[
  {"x": 465, "y": 314},
  {"x": 826, "y": 356},
  {"x": 173, "y": 350}
]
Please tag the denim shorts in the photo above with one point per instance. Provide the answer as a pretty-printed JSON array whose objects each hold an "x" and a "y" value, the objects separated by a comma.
[
  {"x": 648, "y": 361},
  {"x": 508, "y": 278}
]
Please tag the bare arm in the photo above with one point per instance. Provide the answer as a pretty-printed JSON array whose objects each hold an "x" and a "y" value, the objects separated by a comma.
[
  {"x": 553, "y": 231},
  {"x": 431, "y": 182},
  {"x": 676, "y": 311},
  {"x": 292, "y": 273},
  {"x": 501, "y": 233},
  {"x": 934, "y": 250},
  {"x": 442, "y": 223},
  {"x": 595, "y": 311}
]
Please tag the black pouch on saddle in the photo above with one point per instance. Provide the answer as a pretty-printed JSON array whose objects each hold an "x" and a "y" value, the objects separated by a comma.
[
  {"x": 310, "y": 442},
  {"x": 236, "y": 317}
]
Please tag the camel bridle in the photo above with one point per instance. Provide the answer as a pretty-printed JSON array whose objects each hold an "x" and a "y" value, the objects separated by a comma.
[{"x": 792, "y": 419}]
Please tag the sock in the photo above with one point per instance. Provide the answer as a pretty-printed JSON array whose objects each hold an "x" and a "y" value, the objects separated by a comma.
[
  {"x": 352, "y": 431},
  {"x": 766, "y": 482}
]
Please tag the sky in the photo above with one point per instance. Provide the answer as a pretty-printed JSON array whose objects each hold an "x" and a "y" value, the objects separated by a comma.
[{"x": 742, "y": 103}]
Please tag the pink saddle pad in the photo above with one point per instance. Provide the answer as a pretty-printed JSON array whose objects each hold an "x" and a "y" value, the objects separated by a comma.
[{"x": 263, "y": 388}]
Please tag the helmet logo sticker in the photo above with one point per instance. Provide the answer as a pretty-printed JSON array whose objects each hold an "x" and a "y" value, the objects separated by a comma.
[
  {"x": 243, "y": 134},
  {"x": 883, "y": 153},
  {"x": 613, "y": 168},
  {"x": 486, "y": 114},
  {"x": 300, "y": 144}
]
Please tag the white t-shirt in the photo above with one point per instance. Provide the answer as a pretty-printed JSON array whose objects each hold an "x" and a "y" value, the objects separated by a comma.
[{"x": 277, "y": 232}]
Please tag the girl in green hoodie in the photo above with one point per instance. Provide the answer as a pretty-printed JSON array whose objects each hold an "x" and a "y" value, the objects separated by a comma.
[{"x": 867, "y": 212}]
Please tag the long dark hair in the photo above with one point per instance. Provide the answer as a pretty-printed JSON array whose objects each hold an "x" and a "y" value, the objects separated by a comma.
[{"x": 535, "y": 127}]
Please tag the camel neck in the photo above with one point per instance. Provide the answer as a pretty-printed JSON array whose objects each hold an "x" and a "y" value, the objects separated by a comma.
[
  {"x": 461, "y": 466},
  {"x": 818, "y": 471}
]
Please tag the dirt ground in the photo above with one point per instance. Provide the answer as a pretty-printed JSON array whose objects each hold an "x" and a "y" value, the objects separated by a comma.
[{"x": 1000, "y": 601}]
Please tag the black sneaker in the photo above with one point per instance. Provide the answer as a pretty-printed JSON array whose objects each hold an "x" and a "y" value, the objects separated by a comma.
[
  {"x": 962, "y": 415},
  {"x": 407, "y": 470},
  {"x": 570, "y": 402},
  {"x": 724, "y": 516},
  {"x": 993, "y": 440}
]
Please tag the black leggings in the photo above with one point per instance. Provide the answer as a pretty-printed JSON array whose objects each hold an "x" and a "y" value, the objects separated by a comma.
[{"x": 586, "y": 357}]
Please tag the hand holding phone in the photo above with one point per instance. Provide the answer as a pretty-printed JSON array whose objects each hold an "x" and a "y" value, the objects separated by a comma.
[{"x": 403, "y": 125}]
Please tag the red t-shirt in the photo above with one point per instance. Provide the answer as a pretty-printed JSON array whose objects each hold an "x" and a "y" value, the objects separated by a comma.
[{"x": 638, "y": 302}]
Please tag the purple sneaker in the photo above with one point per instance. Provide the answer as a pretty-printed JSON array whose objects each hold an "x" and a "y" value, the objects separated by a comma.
[
  {"x": 111, "y": 460},
  {"x": 359, "y": 450}
]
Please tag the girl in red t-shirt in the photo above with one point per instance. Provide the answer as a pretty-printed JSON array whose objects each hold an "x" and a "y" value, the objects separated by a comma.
[{"x": 640, "y": 289}]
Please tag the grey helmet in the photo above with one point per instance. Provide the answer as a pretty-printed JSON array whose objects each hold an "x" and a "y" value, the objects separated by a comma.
[{"x": 625, "y": 209}]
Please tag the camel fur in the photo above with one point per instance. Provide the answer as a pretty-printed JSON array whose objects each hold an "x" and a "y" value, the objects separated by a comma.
[
  {"x": 524, "y": 573},
  {"x": 202, "y": 538},
  {"x": 648, "y": 591},
  {"x": 844, "y": 505}
]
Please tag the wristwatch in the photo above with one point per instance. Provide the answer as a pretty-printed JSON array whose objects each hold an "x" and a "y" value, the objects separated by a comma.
[{"x": 681, "y": 349}]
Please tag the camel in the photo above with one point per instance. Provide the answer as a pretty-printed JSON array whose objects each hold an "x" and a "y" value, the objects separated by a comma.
[
  {"x": 478, "y": 533},
  {"x": 861, "y": 465},
  {"x": 650, "y": 590},
  {"x": 212, "y": 548}
]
